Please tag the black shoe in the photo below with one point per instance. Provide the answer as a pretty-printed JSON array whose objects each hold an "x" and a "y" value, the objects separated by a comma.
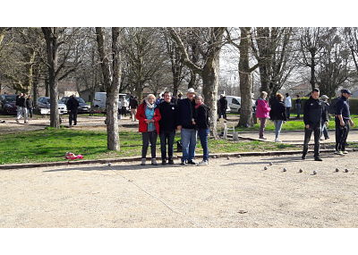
[
  {"x": 317, "y": 159},
  {"x": 171, "y": 162},
  {"x": 303, "y": 157},
  {"x": 191, "y": 162},
  {"x": 183, "y": 163},
  {"x": 164, "y": 162}
]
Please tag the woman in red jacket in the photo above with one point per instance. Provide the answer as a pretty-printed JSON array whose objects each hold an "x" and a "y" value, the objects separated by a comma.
[{"x": 148, "y": 116}]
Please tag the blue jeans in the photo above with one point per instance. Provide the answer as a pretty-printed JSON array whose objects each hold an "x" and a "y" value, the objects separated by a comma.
[
  {"x": 278, "y": 125},
  {"x": 203, "y": 135},
  {"x": 188, "y": 140}
]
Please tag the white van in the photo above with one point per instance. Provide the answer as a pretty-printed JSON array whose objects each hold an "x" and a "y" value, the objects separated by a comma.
[
  {"x": 234, "y": 103},
  {"x": 100, "y": 99}
]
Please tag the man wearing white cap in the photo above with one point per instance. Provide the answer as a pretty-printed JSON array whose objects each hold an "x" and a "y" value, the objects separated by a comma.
[{"x": 186, "y": 109}]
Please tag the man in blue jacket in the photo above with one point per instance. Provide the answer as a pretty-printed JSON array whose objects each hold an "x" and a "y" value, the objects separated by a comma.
[
  {"x": 186, "y": 123},
  {"x": 342, "y": 120},
  {"x": 314, "y": 117}
]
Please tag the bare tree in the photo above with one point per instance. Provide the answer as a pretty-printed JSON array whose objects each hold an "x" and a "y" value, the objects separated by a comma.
[
  {"x": 351, "y": 37},
  {"x": 209, "y": 70},
  {"x": 111, "y": 69}
]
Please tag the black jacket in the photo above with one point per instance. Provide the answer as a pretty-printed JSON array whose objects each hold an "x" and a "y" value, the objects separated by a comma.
[
  {"x": 29, "y": 103},
  {"x": 314, "y": 112},
  {"x": 186, "y": 113},
  {"x": 21, "y": 101},
  {"x": 223, "y": 103},
  {"x": 133, "y": 103},
  {"x": 201, "y": 117},
  {"x": 342, "y": 108},
  {"x": 169, "y": 113},
  {"x": 278, "y": 111},
  {"x": 72, "y": 104}
]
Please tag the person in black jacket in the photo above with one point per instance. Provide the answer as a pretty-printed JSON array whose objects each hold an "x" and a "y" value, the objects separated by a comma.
[
  {"x": 133, "y": 105},
  {"x": 29, "y": 105},
  {"x": 72, "y": 108},
  {"x": 187, "y": 127},
  {"x": 342, "y": 121},
  {"x": 201, "y": 118},
  {"x": 314, "y": 117},
  {"x": 222, "y": 107},
  {"x": 278, "y": 114},
  {"x": 167, "y": 124}
]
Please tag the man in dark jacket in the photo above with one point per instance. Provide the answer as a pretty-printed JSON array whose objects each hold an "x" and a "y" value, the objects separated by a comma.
[
  {"x": 133, "y": 105},
  {"x": 72, "y": 108},
  {"x": 167, "y": 123},
  {"x": 342, "y": 120},
  {"x": 186, "y": 125},
  {"x": 222, "y": 107},
  {"x": 314, "y": 117}
]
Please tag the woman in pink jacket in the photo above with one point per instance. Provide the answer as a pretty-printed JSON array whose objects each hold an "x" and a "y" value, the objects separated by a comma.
[{"x": 262, "y": 113}]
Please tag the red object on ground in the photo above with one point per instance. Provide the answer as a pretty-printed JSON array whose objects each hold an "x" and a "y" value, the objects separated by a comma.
[{"x": 72, "y": 156}]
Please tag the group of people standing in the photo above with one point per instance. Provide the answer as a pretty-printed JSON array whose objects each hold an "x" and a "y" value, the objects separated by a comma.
[
  {"x": 24, "y": 107},
  {"x": 316, "y": 116},
  {"x": 190, "y": 116}
]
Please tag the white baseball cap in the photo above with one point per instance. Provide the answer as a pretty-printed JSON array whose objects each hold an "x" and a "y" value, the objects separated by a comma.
[{"x": 191, "y": 90}]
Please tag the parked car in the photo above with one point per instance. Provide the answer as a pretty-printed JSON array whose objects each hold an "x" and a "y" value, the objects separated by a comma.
[
  {"x": 43, "y": 106},
  {"x": 82, "y": 108},
  {"x": 234, "y": 103},
  {"x": 8, "y": 104},
  {"x": 100, "y": 98}
]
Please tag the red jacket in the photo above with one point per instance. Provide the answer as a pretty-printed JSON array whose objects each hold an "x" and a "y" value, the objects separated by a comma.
[{"x": 143, "y": 126}]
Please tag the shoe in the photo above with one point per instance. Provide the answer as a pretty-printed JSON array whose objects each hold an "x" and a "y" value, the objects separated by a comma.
[
  {"x": 317, "y": 159},
  {"x": 326, "y": 138},
  {"x": 339, "y": 153},
  {"x": 164, "y": 162},
  {"x": 278, "y": 140},
  {"x": 171, "y": 162},
  {"x": 143, "y": 162},
  {"x": 263, "y": 138},
  {"x": 17, "y": 121},
  {"x": 191, "y": 162},
  {"x": 183, "y": 163},
  {"x": 345, "y": 152},
  {"x": 154, "y": 162},
  {"x": 322, "y": 139},
  {"x": 303, "y": 157},
  {"x": 203, "y": 163}
]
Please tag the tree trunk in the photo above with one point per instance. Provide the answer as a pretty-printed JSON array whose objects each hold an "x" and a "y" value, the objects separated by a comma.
[
  {"x": 245, "y": 80},
  {"x": 210, "y": 77},
  {"x": 312, "y": 81}
]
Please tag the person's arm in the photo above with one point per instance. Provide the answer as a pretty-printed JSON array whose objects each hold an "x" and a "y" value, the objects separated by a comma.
[{"x": 305, "y": 114}]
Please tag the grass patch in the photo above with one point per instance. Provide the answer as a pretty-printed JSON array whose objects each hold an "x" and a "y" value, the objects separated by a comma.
[{"x": 50, "y": 145}]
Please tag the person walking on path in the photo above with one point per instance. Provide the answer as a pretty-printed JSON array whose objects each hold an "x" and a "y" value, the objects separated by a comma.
[
  {"x": 21, "y": 107},
  {"x": 72, "y": 108},
  {"x": 149, "y": 116},
  {"x": 167, "y": 124},
  {"x": 324, "y": 98},
  {"x": 288, "y": 105},
  {"x": 262, "y": 113},
  {"x": 29, "y": 105},
  {"x": 314, "y": 117},
  {"x": 186, "y": 108},
  {"x": 342, "y": 121},
  {"x": 222, "y": 107},
  {"x": 278, "y": 115},
  {"x": 133, "y": 104},
  {"x": 298, "y": 104},
  {"x": 201, "y": 119}
]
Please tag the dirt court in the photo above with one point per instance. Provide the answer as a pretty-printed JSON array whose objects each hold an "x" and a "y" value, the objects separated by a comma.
[{"x": 235, "y": 193}]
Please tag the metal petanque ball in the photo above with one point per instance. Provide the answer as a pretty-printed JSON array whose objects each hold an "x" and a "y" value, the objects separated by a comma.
[
  {"x": 346, "y": 170},
  {"x": 337, "y": 170},
  {"x": 300, "y": 171},
  {"x": 265, "y": 168},
  {"x": 314, "y": 172},
  {"x": 284, "y": 170},
  {"x": 270, "y": 164},
  {"x": 109, "y": 164}
]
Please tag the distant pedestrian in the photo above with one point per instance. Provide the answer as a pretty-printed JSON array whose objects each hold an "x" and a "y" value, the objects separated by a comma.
[
  {"x": 288, "y": 105},
  {"x": 21, "y": 107},
  {"x": 262, "y": 113},
  {"x": 314, "y": 116},
  {"x": 326, "y": 106},
  {"x": 186, "y": 108},
  {"x": 298, "y": 104},
  {"x": 29, "y": 106},
  {"x": 201, "y": 118},
  {"x": 167, "y": 124},
  {"x": 278, "y": 115},
  {"x": 342, "y": 120},
  {"x": 222, "y": 107},
  {"x": 125, "y": 105},
  {"x": 72, "y": 108},
  {"x": 133, "y": 105},
  {"x": 149, "y": 116}
]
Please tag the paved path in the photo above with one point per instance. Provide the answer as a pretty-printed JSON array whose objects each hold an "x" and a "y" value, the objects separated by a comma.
[{"x": 233, "y": 193}]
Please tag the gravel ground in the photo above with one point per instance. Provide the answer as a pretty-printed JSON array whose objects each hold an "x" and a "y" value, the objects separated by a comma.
[{"x": 235, "y": 193}]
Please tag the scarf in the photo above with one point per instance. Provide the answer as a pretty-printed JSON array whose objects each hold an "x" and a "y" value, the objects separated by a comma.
[
  {"x": 149, "y": 105},
  {"x": 197, "y": 105}
]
